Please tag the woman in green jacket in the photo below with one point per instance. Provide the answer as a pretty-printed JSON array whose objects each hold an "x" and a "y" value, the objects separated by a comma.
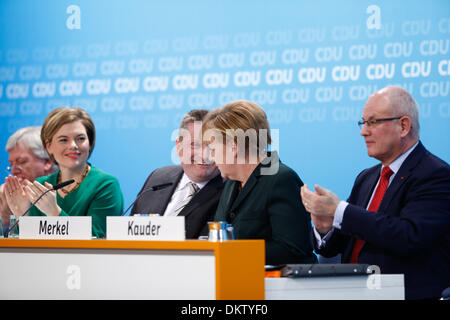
[
  {"x": 68, "y": 135},
  {"x": 260, "y": 195}
]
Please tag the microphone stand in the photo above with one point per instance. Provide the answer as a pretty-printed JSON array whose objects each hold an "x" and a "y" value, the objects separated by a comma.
[
  {"x": 154, "y": 188},
  {"x": 58, "y": 186}
]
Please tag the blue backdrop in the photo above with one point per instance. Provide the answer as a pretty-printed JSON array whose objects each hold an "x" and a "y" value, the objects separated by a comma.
[{"x": 138, "y": 66}]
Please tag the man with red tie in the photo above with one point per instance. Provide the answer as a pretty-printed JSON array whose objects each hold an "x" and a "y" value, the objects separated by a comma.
[{"x": 398, "y": 214}]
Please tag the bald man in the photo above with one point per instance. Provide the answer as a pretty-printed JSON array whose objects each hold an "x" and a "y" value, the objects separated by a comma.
[{"x": 398, "y": 214}]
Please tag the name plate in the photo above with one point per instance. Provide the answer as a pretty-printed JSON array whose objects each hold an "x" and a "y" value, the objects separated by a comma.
[
  {"x": 145, "y": 228},
  {"x": 69, "y": 228}
]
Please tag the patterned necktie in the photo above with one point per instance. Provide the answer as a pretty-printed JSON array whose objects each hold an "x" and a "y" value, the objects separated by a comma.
[
  {"x": 374, "y": 204},
  {"x": 193, "y": 188}
]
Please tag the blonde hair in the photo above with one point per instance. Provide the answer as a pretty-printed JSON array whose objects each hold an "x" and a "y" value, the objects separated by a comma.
[
  {"x": 61, "y": 116},
  {"x": 238, "y": 119}
]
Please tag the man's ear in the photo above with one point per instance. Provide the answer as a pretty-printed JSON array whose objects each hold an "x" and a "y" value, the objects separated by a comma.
[
  {"x": 405, "y": 123},
  {"x": 48, "y": 165}
]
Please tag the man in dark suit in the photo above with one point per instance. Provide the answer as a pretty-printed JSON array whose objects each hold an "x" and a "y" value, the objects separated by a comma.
[
  {"x": 398, "y": 214},
  {"x": 191, "y": 189}
]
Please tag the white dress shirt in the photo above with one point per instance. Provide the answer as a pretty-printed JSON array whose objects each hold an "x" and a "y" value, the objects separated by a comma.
[
  {"x": 339, "y": 213},
  {"x": 181, "y": 192}
]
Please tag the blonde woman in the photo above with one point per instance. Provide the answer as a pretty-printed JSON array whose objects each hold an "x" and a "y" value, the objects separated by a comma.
[
  {"x": 260, "y": 195},
  {"x": 68, "y": 135}
]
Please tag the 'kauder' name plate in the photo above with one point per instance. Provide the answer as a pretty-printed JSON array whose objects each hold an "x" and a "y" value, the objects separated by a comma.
[
  {"x": 58, "y": 228},
  {"x": 145, "y": 228}
]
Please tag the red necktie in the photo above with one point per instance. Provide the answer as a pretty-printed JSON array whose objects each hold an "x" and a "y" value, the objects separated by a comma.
[{"x": 376, "y": 200}]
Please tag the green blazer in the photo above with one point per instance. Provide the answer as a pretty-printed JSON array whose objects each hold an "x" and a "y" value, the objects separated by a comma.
[
  {"x": 269, "y": 207},
  {"x": 98, "y": 196}
]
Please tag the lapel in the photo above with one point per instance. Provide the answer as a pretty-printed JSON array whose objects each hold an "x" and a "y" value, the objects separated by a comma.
[
  {"x": 229, "y": 194},
  {"x": 369, "y": 186},
  {"x": 249, "y": 185},
  {"x": 206, "y": 193},
  {"x": 252, "y": 180},
  {"x": 402, "y": 175}
]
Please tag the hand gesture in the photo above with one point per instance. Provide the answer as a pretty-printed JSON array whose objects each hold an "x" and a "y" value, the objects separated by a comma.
[
  {"x": 47, "y": 204},
  {"x": 322, "y": 204},
  {"x": 15, "y": 195},
  {"x": 4, "y": 208}
]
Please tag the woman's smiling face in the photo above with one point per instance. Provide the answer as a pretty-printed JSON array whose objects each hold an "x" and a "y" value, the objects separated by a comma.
[{"x": 70, "y": 145}]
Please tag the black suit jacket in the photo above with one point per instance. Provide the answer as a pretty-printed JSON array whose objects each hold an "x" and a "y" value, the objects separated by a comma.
[
  {"x": 269, "y": 207},
  {"x": 410, "y": 232},
  {"x": 197, "y": 212}
]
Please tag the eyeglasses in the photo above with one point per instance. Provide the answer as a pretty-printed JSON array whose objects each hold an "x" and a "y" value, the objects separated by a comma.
[{"x": 373, "y": 122}]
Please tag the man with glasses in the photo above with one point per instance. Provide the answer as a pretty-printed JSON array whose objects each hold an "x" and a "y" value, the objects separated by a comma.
[
  {"x": 398, "y": 214},
  {"x": 27, "y": 160}
]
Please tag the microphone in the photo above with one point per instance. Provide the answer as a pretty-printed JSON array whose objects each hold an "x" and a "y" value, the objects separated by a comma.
[
  {"x": 56, "y": 187},
  {"x": 61, "y": 185},
  {"x": 154, "y": 188}
]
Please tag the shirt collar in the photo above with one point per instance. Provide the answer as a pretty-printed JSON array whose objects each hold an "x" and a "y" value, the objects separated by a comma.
[
  {"x": 185, "y": 180},
  {"x": 397, "y": 163}
]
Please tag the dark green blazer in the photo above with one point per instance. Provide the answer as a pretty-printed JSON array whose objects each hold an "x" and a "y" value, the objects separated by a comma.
[{"x": 269, "y": 207}]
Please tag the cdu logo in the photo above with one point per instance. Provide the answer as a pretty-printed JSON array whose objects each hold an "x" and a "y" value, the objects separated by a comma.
[
  {"x": 292, "y": 96},
  {"x": 262, "y": 58},
  {"x": 345, "y": 73},
  {"x": 310, "y": 75},
  {"x": 279, "y": 76},
  {"x": 293, "y": 56},
  {"x": 198, "y": 100},
  {"x": 247, "y": 78},
  {"x": 362, "y": 51},
  {"x": 230, "y": 60},
  {"x": 398, "y": 49},
  {"x": 380, "y": 71},
  {"x": 216, "y": 80},
  {"x": 264, "y": 97},
  {"x": 158, "y": 83},
  {"x": 326, "y": 54},
  {"x": 416, "y": 69}
]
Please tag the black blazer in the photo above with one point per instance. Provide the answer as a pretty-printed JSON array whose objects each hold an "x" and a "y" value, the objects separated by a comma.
[
  {"x": 269, "y": 207},
  {"x": 197, "y": 212},
  {"x": 410, "y": 232}
]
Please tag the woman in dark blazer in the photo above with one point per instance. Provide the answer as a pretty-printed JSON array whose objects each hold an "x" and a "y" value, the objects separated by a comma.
[{"x": 260, "y": 196}]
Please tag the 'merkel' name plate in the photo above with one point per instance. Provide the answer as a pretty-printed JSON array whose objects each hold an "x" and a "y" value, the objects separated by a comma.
[
  {"x": 145, "y": 228},
  {"x": 60, "y": 228}
]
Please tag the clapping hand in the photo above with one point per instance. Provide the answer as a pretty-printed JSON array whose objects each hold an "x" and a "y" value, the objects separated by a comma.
[
  {"x": 15, "y": 195},
  {"x": 321, "y": 204},
  {"x": 47, "y": 204}
]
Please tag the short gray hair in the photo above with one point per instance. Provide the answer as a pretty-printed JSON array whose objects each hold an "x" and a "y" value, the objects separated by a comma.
[
  {"x": 29, "y": 137},
  {"x": 192, "y": 116},
  {"x": 403, "y": 103}
]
